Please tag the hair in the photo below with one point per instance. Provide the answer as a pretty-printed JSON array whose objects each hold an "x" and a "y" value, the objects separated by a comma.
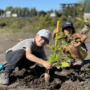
[{"x": 73, "y": 30}]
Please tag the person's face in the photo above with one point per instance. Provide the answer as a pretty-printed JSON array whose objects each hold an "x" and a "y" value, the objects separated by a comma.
[
  {"x": 41, "y": 41},
  {"x": 68, "y": 30}
]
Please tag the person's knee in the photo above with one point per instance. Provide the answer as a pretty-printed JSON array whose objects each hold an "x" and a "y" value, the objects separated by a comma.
[
  {"x": 66, "y": 50},
  {"x": 21, "y": 52},
  {"x": 72, "y": 47}
]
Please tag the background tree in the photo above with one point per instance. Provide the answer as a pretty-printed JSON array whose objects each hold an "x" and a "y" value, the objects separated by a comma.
[
  {"x": 81, "y": 1},
  {"x": 74, "y": 10},
  {"x": 33, "y": 12},
  {"x": 26, "y": 11},
  {"x": 58, "y": 14},
  {"x": 1, "y": 12},
  {"x": 9, "y": 8},
  {"x": 22, "y": 12},
  {"x": 69, "y": 10},
  {"x": 42, "y": 13},
  {"x": 19, "y": 12},
  {"x": 78, "y": 12},
  {"x": 50, "y": 11}
]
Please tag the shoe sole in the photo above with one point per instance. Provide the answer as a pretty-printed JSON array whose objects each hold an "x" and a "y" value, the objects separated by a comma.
[
  {"x": 3, "y": 83},
  {"x": 78, "y": 63}
]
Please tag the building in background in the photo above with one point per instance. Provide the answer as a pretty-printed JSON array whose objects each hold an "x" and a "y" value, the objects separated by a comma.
[
  {"x": 8, "y": 14},
  {"x": 71, "y": 5},
  {"x": 14, "y": 15},
  {"x": 64, "y": 6},
  {"x": 53, "y": 14}
]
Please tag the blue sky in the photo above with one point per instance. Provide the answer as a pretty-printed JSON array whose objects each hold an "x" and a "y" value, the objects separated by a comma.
[{"x": 45, "y": 5}]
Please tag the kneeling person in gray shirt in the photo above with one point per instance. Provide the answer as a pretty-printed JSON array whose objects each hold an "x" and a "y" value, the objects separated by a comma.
[{"x": 32, "y": 49}]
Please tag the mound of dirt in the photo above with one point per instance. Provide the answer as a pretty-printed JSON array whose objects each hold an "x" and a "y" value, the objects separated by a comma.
[{"x": 71, "y": 78}]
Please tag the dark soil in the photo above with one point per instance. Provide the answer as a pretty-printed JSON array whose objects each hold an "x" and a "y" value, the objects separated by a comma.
[{"x": 32, "y": 78}]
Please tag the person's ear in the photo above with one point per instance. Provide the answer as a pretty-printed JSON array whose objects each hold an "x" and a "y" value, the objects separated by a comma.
[{"x": 36, "y": 35}]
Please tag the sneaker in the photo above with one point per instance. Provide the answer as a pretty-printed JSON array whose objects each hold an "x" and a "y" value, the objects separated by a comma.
[
  {"x": 70, "y": 62},
  {"x": 4, "y": 78},
  {"x": 78, "y": 63}
]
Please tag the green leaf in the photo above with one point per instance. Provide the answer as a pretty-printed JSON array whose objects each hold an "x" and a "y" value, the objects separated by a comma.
[
  {"x": 67, "y": 47},
  {"x": 77, "y": 40},
  {"x": 58, "y": 67},
  {"x": 85, "y": 18},
  {"x": 61, "y": 35},
  {"x": 79, "y": 19},
  {"x": 66, "y": 34},
  {"x": 58, "y": 37},
  {"x": 49, "y": 61},
  {"x": 64, "y": 64},
  {"x": 67, "y": 60},
  {"x": 72, "y": 57},
  {"x": 88, "y": 33},
  {"x": 54, "y": 64},
  {"x": 61, "y": 51},
  {"x": 70, "y": 37},
  {"x": 86, "y": 29},
  {"x": 49, "y": 46},
  {"x": 72, "y": 42},
  {"x": 64, "y": 42}
]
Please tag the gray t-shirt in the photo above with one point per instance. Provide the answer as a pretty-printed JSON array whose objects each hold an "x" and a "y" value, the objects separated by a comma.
[{"x": 29, "y": 43}]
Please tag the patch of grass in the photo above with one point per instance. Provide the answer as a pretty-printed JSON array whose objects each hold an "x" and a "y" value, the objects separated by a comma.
[{"x": 33, "y": 24}]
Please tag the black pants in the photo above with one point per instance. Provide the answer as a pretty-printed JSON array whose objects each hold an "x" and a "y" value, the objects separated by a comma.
[{"x": 16, "y": 58}]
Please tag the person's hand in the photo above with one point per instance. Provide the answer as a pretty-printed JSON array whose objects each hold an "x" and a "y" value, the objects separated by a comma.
[
  {"x": 81, "y": 9},
  {"x": 47, "y": 77},
  {"x": 76, "y": 37},
  {"x": 76, "y": 44},
  {"x": 54, "y": 33},
  {"x": 47, "y": 65},
  {"x": 55, "y": 30}
]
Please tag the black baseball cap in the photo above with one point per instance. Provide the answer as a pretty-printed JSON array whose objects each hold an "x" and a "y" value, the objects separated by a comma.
[{"x": 67, "y": 24}]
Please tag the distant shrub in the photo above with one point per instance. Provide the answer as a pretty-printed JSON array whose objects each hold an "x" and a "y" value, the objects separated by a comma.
[
  {"x": 17, "y": 24},
  {"x": 63, "y": 18},
  {"x": 2, "y": 24},
  {"x": 54, "y": 21},
  {"x": 45, "y": 20}
]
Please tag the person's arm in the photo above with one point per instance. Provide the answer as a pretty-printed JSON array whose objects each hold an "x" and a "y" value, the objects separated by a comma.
[
  {"x": 33, "y": 58},
  {"x": 54, "y": 34},
  {"x": 82, "y": 8},
  {"x": 82, "y": 39},
  {"x": 43, "y": 62}
]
